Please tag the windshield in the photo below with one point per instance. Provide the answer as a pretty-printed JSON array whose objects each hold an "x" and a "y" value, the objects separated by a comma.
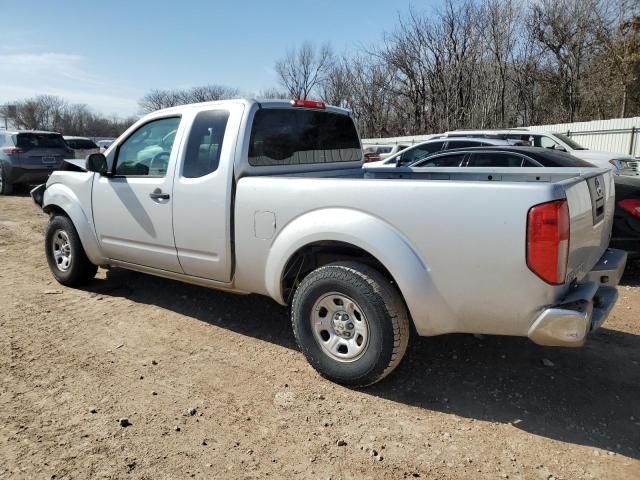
[{"x": 572, "y": 143}]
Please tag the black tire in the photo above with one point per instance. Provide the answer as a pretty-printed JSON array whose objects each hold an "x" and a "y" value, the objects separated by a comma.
[
  {"x": 384, "y": 312},
  {"x": 6, "y": 188},
  {"x": 79, "y": 270}
]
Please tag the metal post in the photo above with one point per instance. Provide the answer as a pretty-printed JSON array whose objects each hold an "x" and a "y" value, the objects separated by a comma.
[{"x": 632, "y": 141}]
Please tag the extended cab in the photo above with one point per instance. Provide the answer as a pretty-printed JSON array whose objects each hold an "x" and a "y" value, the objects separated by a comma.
[{"x": 270, "y": 198}]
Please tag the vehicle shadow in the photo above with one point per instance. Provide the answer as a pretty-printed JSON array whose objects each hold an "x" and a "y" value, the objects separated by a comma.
[{"x": 587, "y": 396}]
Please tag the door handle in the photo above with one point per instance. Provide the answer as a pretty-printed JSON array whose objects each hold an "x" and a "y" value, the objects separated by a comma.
[{"x": 158, "y": 195}]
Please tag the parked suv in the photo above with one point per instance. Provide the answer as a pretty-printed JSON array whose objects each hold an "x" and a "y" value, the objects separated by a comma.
[{"x": 28, "y": 157}]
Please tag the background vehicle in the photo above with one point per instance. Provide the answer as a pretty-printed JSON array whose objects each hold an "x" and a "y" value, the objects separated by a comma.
[
  {"x": 502, "y": 156},
  {"x": 104, "y": 144},
  {"x": 270, "y": 198},
  {"x": 424, "y": 149},
  {"x": 28, "y": 157},
  {"x": 82, "y": 146},
  {"x": 374, "y": 153},
  {"x": 626, "y": 225},
  {"x": 624, "y": 164}
]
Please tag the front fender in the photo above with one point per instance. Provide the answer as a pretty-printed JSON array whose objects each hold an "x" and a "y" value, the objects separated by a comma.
[
  {"x": 377, "y": 237},
  {"x": 61, "y": 196}
]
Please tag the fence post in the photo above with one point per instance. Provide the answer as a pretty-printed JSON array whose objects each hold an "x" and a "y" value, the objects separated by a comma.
[{"x": 632, "y": 142}]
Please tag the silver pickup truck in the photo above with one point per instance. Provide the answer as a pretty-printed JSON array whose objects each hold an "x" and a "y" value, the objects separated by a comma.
[{"x": 270, "y": 198}]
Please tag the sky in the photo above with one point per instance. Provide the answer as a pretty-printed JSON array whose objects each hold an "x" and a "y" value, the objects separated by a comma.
[{"x": 109, "y": 54}]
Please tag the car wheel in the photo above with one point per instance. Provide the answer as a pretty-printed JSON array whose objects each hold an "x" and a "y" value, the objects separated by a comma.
[
  {"x": 6, "y": 188},
  {"x": 350, "y": 323},
  {"x": 67, "y": 260}
]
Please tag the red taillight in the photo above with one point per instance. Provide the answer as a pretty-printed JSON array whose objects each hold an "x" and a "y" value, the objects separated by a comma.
[
  {"x": 11, "y": 150},
  {"x": 548, "y": 241},
  {"x": 308, "y": 104},
  {"x": 631, "y": 205}
]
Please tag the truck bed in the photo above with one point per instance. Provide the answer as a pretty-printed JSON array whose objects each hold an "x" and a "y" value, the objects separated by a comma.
[{"x": 466, "y": 228}]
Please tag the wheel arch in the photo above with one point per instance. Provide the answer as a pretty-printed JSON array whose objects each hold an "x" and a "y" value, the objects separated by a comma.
[
  {"x": 61, "y": 200},
  {"x": 324, "y": 236}
]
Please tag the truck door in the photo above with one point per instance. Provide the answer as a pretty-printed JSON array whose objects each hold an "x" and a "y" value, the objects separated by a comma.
[
  {"x": 132, "y": 208},
  {"x": 203, "y": 193}
]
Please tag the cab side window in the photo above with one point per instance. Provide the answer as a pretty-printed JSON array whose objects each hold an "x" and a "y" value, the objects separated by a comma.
[
  {"x": 147, "y": 151},
  {"x": 205, "y": 143},
  {"x": 463, "y": 144}
]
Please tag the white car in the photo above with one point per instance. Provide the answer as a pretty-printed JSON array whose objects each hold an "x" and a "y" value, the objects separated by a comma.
[
  {"x": 82, "y": 146},
  {"x": 374, "y": 153},
  {"x": 623, "y": 164}
]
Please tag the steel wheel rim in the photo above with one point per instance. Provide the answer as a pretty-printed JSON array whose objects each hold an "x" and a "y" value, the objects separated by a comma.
[
  {"x": 340, "y": 327},
  {"x": 61, "y": 249}
]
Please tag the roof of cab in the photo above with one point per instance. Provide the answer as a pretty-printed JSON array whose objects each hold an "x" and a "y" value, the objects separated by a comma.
[{"x": 248, "y": 102}]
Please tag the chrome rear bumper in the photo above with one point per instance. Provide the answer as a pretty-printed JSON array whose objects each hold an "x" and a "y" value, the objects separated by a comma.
[{"x": 585, "y": 308}]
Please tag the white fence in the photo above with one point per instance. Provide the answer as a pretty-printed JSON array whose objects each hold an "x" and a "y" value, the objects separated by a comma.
[{"x": 619, "y": 135}]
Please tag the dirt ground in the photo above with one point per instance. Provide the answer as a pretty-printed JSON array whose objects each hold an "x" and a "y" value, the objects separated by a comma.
[{"x": 214, "y": 387}]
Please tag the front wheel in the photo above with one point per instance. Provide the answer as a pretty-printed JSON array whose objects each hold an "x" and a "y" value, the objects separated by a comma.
[
  {"x": 350, "y": 323},
  {"x": 67, "y": 260}
]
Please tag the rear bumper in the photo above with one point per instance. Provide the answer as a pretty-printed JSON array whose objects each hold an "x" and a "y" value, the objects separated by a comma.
[{"x": 585, "y": 308}]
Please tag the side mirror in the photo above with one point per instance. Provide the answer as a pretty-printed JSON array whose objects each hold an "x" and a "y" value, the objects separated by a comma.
[
  {"x": 560, "y": 148},
  {"x": 96, "y": 162}
]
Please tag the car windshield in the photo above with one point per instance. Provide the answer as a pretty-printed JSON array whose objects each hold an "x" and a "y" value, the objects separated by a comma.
[
  {"x": 39, "y": 140},
  {"x": 572, "y": 143}
]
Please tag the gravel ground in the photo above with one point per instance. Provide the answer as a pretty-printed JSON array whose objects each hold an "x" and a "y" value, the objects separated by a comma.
[{"x": 211, "y": 385}]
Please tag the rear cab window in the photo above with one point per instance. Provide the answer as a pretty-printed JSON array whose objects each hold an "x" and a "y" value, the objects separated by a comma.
[{"x": 282, "y": 136}]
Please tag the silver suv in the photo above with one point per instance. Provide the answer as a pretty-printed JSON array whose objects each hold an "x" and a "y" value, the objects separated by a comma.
[{"x": 29, "y": 157}]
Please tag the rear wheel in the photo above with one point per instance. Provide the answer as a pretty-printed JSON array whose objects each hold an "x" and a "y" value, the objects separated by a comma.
[
  {"x": 6, "y": 188},
  {"x": 350, "y": 323},
  {"x": 67, "y": 260}
]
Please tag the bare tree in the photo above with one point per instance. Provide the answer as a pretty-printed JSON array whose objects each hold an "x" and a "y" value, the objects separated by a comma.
[
  {"x": 303, "y": 70},
  {"x": 568, "y": 29},
  {"x": 158, "y": 99},
  {"x": 48, "y": 112}
]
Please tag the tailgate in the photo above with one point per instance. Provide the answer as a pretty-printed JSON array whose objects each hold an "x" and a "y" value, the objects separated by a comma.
[{"x": 591, "y": 208}]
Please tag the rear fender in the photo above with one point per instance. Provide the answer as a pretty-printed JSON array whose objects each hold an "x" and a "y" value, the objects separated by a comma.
[
  {"x": 373, "y": 235},
  {"x": 60, "y": 197}
]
